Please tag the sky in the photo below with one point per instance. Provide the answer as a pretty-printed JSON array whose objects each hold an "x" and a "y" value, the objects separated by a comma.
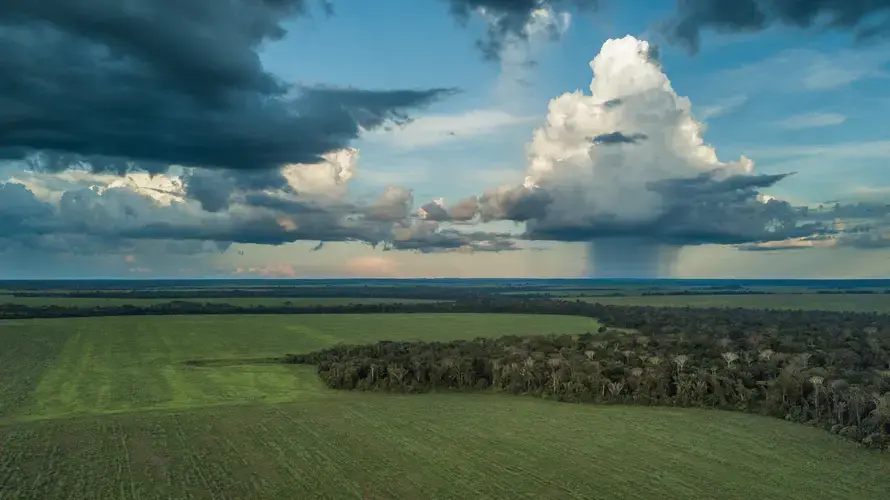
[{"x": 445, "y": 138}]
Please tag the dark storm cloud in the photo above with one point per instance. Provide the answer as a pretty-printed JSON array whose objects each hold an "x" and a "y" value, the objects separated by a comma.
[
  {"x": 510, "y": 19},
  {"x": 702, "y": 210},
  {"x": 289, "y": 205},
  {"x": 214, "y": 188},
  {"x": 707, "y": 223},
  {"x": 866, "y": 18},
  {"x": 678, "y": 191},
  {"x": 109, "y": 83},
  {"x": 861, "y": 210},
  {"x": 518, "y": 204},
  {"x": 618, "y": 138},
  {"x": 435, "y": 212},
  {"x": 20, "y": 210}
]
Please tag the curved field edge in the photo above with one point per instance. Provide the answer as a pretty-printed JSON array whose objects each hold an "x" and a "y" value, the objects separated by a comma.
[
  {"x": 448, "y": 446},
  {"x": 53, "y": 368}
]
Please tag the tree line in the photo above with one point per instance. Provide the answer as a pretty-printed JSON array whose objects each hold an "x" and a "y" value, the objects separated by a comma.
[{"x": 824, "y": 369}]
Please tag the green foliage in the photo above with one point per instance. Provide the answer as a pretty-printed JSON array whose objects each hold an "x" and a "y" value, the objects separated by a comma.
[
  {"x": 88, "y": 302},
  {"x": 804, "y": 301},
  {"x": 833, "y": 374}
]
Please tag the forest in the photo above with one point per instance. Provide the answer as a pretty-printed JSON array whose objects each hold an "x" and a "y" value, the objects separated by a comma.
[{"x": 824, "y": 369}]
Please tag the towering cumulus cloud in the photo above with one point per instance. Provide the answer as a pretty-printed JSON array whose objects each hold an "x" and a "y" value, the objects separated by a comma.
[
  {"x": 598, "y": 181},
  {"x": 626, "y": 169}
]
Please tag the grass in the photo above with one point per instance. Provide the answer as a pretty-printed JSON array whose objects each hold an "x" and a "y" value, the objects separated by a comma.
[
  {"x": 239, "y": 301},
  {"x": 434, "y": 446},
  {"x": 112, "y": 408},
  {"x": 813, "y": 302},
  {"x": 107, "y": 365}
]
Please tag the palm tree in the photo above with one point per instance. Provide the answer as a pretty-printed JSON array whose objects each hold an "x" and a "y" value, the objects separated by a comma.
[
  {"x": 817, "y": 385},
  {"x": 765, "y": 354},
  {"x": 496, "y": 367},
  {"x": 615, "y": 388},
  {"x": 882, "y": 414},
  {"x": 730, "y": 357},
  {"x": 787, "y": 380},
  {"x": 680, "y": 360},
  {"x": 555, "y": 374}
]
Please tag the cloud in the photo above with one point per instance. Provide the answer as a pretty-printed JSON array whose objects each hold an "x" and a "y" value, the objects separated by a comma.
[
  {"x": 863, "y": 225},
  {"x": 518, "y": 203},
  {"x": 618, "y": 138},
  {"x": 393, "y": 205},
  {"x": 463, "y": 211},
  {"x": 428, "y": 237},
  {"x": 866, "y": 19},
  {"x": 723, "y": 107},
  {"x": 598, "y": 190},
  {"x": 644, "y": 191},
  {"x": 812, "y": 120},
  {"x": 432, "y": 130},
  {"x": 114, "y": 85},
  {"x": 88, "y": 213},
  {"x": 513, "y": 21},
  {"x": 810, "y": 70}
]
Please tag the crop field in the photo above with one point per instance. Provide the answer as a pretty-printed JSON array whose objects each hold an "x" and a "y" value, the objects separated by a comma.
[
  {"x": 237, "y": 301},
  {"x": 112, "y": 408},
  {"x": 808, "y": 301},
  {"x": 453, "y": 446},
  {"x": 103, "y": 365}
]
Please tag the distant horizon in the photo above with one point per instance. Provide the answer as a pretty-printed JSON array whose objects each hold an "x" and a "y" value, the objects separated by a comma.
[{"x": 446, "y": 278}]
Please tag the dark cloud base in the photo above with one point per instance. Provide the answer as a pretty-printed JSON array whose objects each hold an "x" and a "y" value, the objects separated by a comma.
[
  {"x": 92, "y": 221},
  {"x": 117, "y": 85},
  {"x": 867, "y": 19}
]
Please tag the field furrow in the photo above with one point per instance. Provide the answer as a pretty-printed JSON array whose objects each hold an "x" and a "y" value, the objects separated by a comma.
[{"x": 110, "y": 409}]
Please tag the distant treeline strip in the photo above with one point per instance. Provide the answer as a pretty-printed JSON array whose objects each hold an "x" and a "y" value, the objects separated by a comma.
[
  {"x": 403, "y": 293},
  {"x": 347, "y": 292},
  {"x": 634, "y": 317}
]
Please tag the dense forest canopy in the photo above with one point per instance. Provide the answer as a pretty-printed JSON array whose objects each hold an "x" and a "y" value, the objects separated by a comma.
[{"x": 825, "y": 369}]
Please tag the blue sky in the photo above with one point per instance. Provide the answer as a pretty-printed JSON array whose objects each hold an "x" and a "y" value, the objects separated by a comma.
[
  {"x": 770, "y": 104},
  {"x": 806, "y": 101}
]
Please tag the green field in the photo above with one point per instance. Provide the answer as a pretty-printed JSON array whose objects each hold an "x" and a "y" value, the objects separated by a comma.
[
  {"x": 60, "y": 367},
  {"x": 434, "y": 446},
  {"x": 808, "y": 301},
  {"x": 238, "y": 301},
  {"x": 108, "y": 408}
]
